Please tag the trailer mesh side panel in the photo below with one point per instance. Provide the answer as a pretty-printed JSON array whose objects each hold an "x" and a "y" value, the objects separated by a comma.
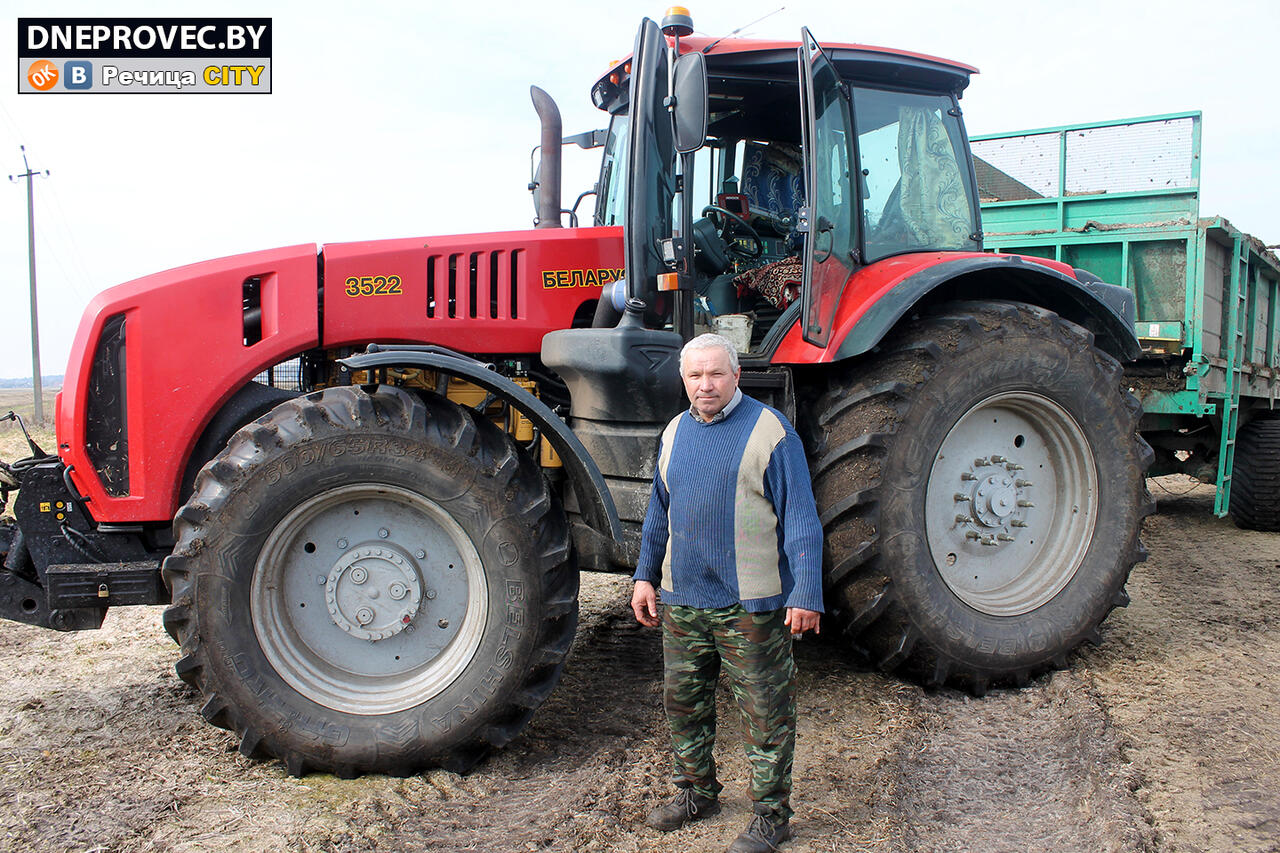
[
  {"x": 1017, "y": 168},
  {"x": 1138, "y": 156},
  {"x": 1129, "y": 158}
]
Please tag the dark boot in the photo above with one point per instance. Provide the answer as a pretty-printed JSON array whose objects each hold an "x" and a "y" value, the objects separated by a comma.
[
  {"x": 685, "y": 808},
  {"x": 766, "y": 831}
]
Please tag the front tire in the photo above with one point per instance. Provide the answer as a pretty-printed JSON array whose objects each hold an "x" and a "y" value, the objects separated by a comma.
[
  {"x": 370, "y": 581},
  {"x": 981, "y": 484}
]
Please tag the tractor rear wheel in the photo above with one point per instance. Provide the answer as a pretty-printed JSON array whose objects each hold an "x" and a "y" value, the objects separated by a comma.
[
  {"x": 370, "y": 581},
  {"x": 981, "y": 484},
  {"x": 1255, "y": 475}
]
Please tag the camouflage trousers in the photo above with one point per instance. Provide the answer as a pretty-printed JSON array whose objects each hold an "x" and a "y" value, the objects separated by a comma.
[{"x": 754, "y": 649}]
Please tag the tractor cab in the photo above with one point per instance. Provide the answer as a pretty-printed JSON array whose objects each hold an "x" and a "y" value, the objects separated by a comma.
[
  {"x": 754, "y": 180},
  {"x": 807, "y": 163}
]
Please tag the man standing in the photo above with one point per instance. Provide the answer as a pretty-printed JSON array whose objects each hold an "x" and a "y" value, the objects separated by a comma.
[{"x": 733, "y": 538}]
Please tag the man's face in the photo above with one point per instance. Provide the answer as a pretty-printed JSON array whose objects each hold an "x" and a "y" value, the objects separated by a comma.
[{"x": 709, "y": 380}]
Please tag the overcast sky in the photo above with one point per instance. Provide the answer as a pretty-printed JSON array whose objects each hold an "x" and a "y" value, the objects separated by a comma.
[{"x": 413, "y": 119}]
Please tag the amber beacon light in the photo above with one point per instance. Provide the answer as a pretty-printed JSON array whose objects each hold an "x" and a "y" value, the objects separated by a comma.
[{"x": 677, "y": 22}]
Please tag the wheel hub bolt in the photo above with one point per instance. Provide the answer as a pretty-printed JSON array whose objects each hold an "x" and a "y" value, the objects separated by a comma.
[
  {"x": 1023, "y": 484},
  {"x": 1004, "y": 537},
  {"x": 971, "y": 534},
  {"x": 989, "y": 540},
  {"x": 1013, "y": 467},
  {"x": 961, "y": 498},
  {"x": 980, "y": 462},
  {"x": 431, "y": 594},
  {"x": 967, "y": 477},
  {"x": 383, "y": 533},
  {"x": 1025, "y": 503},
  {"x": 364, "y": 615},
  {"x": 996, "y": 460},
  {"x": 420, "y": 554},
  {"x": 963, "y": 519},
  {"x": 1016, "y": 523},
  {"x": 359, "y": 575},
  {"x": 342, "y": 543},
  {"x": 443, "y": 623}
]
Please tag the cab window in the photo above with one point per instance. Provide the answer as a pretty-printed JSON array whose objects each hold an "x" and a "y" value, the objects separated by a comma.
[{"x": 915, "y": 184}]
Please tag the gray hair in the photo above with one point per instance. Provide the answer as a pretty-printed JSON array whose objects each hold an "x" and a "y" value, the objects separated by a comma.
[{"x": 711, "y": 341}]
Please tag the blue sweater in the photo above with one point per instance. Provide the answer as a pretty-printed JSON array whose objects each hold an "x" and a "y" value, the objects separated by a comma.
[{"x": 731, "y": 517}]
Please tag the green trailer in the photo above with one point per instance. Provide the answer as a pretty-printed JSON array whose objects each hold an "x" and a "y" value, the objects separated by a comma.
[{"x": 1121, "y": 199}]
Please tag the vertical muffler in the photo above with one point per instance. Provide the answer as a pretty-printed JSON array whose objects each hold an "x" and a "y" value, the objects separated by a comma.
[{"x": 548, "y": 180}]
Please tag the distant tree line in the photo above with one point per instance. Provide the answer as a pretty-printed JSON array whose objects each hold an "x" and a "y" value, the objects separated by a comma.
[{"x": 53, "y": 381}]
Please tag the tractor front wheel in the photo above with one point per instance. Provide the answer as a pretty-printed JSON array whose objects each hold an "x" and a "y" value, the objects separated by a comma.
[{"x": 371, "y": 581}]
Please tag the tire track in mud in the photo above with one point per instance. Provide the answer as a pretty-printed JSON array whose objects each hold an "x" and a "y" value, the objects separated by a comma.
[
  {"x": 1039, "y": 769},
  {"x": 1165, "y": 737},
  {"x": 1189, "y": 672},
  {"x": 591, "y": 751}
]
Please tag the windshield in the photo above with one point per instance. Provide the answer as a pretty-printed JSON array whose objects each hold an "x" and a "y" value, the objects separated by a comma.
[
  {"x": 915, "y": 186},
  {"x": 915, "y": 191}
]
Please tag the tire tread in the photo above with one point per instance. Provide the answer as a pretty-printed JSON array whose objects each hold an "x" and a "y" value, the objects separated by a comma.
[
  {"x": 860, "y": 415},
  {"x": 381, "y": 409}
]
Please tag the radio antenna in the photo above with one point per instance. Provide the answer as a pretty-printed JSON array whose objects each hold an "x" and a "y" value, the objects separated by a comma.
[{"x": 707, "y": 49}]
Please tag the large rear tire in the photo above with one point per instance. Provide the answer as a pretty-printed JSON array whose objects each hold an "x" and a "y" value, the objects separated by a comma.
[
  {"x": 981, "y": 484},
  {"x": 370, "y": 581},
  {"x": 1255, "y": 475}
]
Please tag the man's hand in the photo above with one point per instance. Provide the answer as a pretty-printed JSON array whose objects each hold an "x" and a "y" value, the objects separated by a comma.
[
  {"x": 644, "y": 603},
  {"x": 798, "y": 620}
]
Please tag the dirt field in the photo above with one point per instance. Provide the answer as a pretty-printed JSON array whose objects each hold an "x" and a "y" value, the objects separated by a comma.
[{"x": 1163, "y": 738}]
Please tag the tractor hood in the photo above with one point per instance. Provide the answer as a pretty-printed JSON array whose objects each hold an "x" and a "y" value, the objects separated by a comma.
[
  {"x": 154, "y": 358},
  {"x": 477, "y": 293}
]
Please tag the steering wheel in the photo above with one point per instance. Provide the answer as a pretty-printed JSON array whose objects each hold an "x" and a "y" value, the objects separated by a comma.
[{"x": 728, "y": 218}]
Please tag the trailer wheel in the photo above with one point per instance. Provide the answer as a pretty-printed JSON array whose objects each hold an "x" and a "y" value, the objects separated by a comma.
[
  {"x": 369, "y": 581},
  {"x": 981, "y": 487},
  {"x": 1255, "y": 476}
]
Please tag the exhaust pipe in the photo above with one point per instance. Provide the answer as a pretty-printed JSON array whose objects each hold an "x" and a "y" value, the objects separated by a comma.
[{"x": 548, "y": 197}]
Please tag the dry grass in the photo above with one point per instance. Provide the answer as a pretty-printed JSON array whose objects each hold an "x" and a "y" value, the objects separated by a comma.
[{"x": 20, "y": 401}]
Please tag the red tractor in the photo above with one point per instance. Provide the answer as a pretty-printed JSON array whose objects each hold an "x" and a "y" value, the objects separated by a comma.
[{"x": 364, "y": 476}]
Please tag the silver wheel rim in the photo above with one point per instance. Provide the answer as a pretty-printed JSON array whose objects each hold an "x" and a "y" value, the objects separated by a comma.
[
  {"x": 1011, "y": 503},
  {"x": 369, "y": 599}
]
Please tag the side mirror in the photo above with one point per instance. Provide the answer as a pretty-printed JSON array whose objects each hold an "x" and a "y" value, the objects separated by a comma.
[{"x": 690, "y": 114}]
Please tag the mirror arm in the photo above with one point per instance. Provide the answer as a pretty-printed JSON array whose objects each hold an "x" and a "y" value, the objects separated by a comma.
[{"x": 587, "y": 139}]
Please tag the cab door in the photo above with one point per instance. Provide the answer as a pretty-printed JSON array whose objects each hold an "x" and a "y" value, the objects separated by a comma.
[
  {"x": 831, "y": 205},
  {"x": 651, "y": 178}
]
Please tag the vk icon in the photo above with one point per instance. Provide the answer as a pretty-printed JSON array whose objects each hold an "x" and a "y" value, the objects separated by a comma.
[{"x": 77, "y": 74}]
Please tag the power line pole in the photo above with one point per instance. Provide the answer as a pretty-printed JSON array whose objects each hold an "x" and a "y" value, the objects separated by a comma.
[{"x": 31, "y": 257}]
